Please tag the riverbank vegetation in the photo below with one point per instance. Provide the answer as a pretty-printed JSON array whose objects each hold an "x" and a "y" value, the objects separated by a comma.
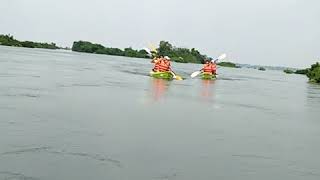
[
  {"x": 262, "y": 69},
  {"x": 182, "y": 55},
  {"x": 177, "y": 54},
  {"x": 314, "y": 73},
  {"x": 9, "y": 40},
  {"x": 288, "y": 71},
  {"x": 228, "y": 64},
  {"x": 302, "y": 71},
  {"x": 88, "y": 47},
  {"x": 299, "y": 71}
]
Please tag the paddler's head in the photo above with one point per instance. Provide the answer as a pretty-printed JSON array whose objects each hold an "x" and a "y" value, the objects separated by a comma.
[
  {"x": 167, "y": 58},
  {"x": 213, "y": 61}
]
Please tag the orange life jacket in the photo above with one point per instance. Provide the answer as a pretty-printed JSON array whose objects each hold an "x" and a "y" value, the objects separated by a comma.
[
  {"x": 162, "y": 66},
  {"x": 210, "y": 68}
]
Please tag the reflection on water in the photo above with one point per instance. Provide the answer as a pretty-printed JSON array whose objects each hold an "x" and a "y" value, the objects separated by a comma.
[
  {"x": 158, "y": 88},
  {"x": 313, "y": 99},
  {"x": 313, "y": 91},
  {"x": 207, "y": 91}
]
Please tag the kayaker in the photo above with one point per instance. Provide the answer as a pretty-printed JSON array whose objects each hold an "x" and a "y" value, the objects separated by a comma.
[
  {"x": 155, "y": 59},
  {"x": 162, "y": 64},
  {"x": 209, "y": 67}
]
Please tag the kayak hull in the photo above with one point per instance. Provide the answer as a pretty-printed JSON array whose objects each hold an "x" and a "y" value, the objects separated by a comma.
[
  {"x": 162, "y": 75},
  {"x": 208, "y": 76}
]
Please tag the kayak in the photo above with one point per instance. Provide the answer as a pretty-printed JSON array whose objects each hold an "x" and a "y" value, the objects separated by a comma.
[
  {"x": 161, "y": 75},
  {"x": 208, "y": 76}
]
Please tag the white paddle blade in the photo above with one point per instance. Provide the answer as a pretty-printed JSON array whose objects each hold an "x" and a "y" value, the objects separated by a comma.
[
  {"x": 222, "y": 56},
  {"x": 152, "y": 48},
  {"x": 147, "y": 50},
  {"x": 194, "y": 74}
]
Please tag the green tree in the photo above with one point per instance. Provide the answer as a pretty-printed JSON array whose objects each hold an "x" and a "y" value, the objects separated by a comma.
[
  {"x": 262, "y": 69},
  {"x": 88, "y": 47},
  {"x": 165, "y": 48},
  {"x": 288, "y": 71},
  {"x": 177, "y": 54},
  {"x": 129, "y": 52},
  {"x": 227, "y": 64},
  {"x": 8, "y": 40},
  {"x": 302, "y": 71},
  {"x": 314, "y": 73}
]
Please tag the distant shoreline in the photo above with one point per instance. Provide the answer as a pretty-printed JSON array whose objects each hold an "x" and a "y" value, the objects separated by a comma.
[
  {"x": 181, "y": 55},
  {"x": 9, "y": 40},
  {"x": 177, "y": 54}
]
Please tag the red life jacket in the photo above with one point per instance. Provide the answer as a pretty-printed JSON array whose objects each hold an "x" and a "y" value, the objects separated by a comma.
[
  {"x": 210, "y": 68},
  {"x": 156, "y": 66},
  {"x": 162, "y": 66}
]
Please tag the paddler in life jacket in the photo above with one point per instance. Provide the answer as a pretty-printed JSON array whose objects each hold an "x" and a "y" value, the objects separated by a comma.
[
  {"x": 161, "y": 64},
  {"x": 156, "y": 59},
  {"x": 209, "y": 67}
]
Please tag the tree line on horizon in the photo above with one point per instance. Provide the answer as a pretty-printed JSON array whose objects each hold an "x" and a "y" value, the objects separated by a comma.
[
  {"x": 9, "y": 40},
  {"x": 88, "y": 47},
  {"x": 177, "y": 54},
  {"x": 182, "y": 55}
]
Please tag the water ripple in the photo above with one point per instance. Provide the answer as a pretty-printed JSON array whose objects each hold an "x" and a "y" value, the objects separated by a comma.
[
  {"x": 135, "y": 72},
  {"x": 17, "y": 176},
  {"x": 91, "y": 156},
  {"x": 23, "y": 95},
  {"x": 307, "y": 173},
  {"x": 47, "y": 149},
  {"x": 28, "y": 150},
  {"x": 167, "y": 177},
  {"x": 253, "y": 156}
]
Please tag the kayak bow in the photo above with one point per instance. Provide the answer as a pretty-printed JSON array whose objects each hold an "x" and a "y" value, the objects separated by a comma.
[
  {"x": 208, "y": 76},
  {"x": 162, "y": 75}
]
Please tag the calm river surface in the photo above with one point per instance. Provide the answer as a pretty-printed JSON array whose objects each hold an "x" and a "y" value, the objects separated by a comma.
[{"x": 75, "y": 116}]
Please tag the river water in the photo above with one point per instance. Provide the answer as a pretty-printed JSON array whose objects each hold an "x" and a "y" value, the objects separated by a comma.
[{"x": 75, "y": 116}]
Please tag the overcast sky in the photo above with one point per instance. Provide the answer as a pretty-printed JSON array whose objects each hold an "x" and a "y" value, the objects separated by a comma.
[{"x": 265, "y": 32}]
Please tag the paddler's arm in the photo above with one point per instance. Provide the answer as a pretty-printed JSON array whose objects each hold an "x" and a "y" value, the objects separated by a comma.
[
  {"x": 155, "y": 60},
  {"x": 170, "y": 69}
]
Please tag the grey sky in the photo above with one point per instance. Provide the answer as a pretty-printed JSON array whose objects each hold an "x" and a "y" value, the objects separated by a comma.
[{"x": 267, "y": 32}]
